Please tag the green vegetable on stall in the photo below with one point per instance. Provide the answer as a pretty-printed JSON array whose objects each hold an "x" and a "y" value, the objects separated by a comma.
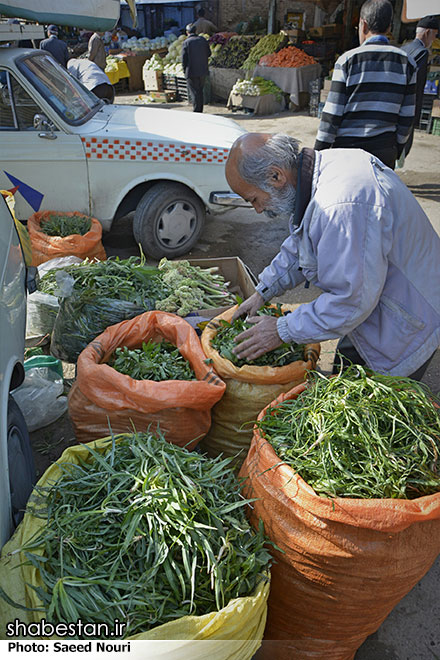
[
  {"x": 233, "y": 53},
  {"x": 66, "y": 225},
  {"x": 154, "y": 361},
  {"x": 224, "y": 342},
  {"x": 266, "y": 45},
  {"x": 360, "y": 434},
  {"x": 145, "y": 533}
]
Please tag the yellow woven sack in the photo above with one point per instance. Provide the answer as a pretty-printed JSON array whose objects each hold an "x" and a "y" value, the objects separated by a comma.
[
  {"x": 242, "y": 621},
  {"x": 248, "y": 390},
  {"x": 23, "y": 233}
]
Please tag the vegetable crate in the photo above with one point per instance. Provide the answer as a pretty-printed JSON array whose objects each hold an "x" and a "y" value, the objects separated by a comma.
[
  {"x": 182, "y": 88},
  {"x": 435, "y": 129},
  {"x": 152, "y": 80},
  {"x": 167, "y": 96}
]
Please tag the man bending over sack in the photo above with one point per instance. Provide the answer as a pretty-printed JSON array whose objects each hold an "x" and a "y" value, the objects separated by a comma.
[{"x": 357, "y": 233}]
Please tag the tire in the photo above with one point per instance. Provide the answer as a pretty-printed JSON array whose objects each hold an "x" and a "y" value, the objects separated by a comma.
[
  {"x": 168, "y": 220},
  {"x": 20, "y": 461}
]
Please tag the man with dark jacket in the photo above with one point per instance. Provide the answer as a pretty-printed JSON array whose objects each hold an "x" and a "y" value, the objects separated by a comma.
[
  {"x": 418, "y": 49},
  {"x": 56, "y": 47},
  {"x": 195, "y": 55},
  {"x": 371, "y": 102}
]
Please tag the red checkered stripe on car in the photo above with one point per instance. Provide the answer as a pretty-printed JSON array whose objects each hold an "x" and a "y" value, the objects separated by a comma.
[{"x": 114, "y": 149}]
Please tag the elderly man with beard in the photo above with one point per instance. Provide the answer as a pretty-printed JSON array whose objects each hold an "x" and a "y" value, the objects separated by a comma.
[{"x": 358, "y": 234}]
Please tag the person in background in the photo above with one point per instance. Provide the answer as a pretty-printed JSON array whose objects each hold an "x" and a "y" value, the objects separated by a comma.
[
  {"x": 418, "y": 49},
  {"x": 203, "y": 25},
  {"x": 358, "y": 234},
  {"x": 96, "y": 50},
  {"x": 371, "y": 103},
  {"x": 56, "y": 47},
  {"x": 195, "y": 55},
  {"x": 92, "y": 77}
]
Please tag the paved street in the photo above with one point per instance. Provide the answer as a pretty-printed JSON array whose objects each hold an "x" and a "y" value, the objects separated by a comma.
[{"x": 412, "y": 631}]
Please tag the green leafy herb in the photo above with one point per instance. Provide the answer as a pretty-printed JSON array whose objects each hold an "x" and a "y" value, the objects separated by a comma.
[
  {"x": 66, "y": 225},
  {"x": 224, "y": 343},
  {"x": 361, "y": 434},
  {"x": 146, "y": 533},
  {"x": 154, "y": 361}
]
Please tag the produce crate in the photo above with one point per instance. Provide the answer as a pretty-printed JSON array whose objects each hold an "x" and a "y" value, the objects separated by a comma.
[
  {"x": 167, "y": 96},
  {"x": 182, "y": 88},
  {"x": 169, "y": 81},
  {"x": 435, "y": 129},
  {"x": 153, "y": 80},
  {"x": 331, "y": 30}
]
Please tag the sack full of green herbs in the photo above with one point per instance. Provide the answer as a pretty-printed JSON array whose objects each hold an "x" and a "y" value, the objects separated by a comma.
[
  {"x": 143, "y": 373},
  {"x": 59, "y": 234},
  {"x": 249, "y": 386},
  {"x": 134, "y": 529},
  {"x": 346, "y": 473}
]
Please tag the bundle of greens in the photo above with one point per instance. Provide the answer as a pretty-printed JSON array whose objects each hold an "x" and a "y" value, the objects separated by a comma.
[
  {"x": 361, "y": 435},
  {"x": 130, "y": 280},
  {"x": 234, "y": 52},
  {"x": 257, "y": 87},
  {"x": 266, "y": 45},
  {"x": 192, "y": 288},
  {"x": 145, "y": 533},
  {"x": 154, "y": 361},
  {"x": 224, "y": 343},
  {"x": 66, "y": 225}
]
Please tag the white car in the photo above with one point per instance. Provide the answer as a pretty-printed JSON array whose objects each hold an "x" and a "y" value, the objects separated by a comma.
[
  {"x": 17, "y": 473},
  {"x": 68, "y": 151}
]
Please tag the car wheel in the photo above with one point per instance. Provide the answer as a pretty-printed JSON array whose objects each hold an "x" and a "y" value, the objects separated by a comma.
[
  {"x": 20, "y": 462},
  {"x": 168, "y": 220}
]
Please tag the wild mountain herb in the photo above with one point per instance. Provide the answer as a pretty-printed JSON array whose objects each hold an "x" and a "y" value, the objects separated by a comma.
[
  {"x": 224, "y": 343},
  {"x": 360, "y": 434},
  {"x": 154, "y": 361},
  {"x": 146, "y": 533},
  {"x": 66, "y": 225}
]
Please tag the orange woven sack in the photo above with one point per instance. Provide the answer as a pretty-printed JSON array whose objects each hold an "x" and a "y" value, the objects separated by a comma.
[
  {"x": 248, "y": 390},
  {"x": 46, "y": 247},
  {"x": 101, "y": 396},
  {"x": 346, "y": 562}
]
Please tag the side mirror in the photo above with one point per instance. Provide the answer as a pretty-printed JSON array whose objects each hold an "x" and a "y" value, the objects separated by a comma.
[{"x": 42, "y": 123}]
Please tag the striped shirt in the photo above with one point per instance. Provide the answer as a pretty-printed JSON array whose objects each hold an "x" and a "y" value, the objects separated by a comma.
[{"x": 372, "y": 93}]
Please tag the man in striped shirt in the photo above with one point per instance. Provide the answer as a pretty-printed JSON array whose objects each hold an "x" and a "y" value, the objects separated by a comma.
[{"x": 371, "y": 103}]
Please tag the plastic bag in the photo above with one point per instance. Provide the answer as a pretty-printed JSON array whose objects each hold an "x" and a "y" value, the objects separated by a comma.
[
  {"x": 42, "y": 308},
  {"x": 235, "y": 632},
  {"x": 40, "y": 398},
  {"x": 79, "y": 322},
  {"x": 346, "y": 562},
  {"x": 248, "y": 390},
  {"x": 101, "y": 396},
  {"x": 46, "y": 247}
]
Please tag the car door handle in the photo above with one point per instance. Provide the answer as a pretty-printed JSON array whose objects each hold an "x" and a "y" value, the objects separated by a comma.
[{"x": 47, "y": 136}]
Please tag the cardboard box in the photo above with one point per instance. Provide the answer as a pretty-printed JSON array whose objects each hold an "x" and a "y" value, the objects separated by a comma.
[
  {"x": 435, "y": 109},
  {"x": 167, "y": 96},
  {"x": 234, "y": 270},
  {"x": 331, "y": 30},
  {"x": 327, "y": 84},
  {"x": 295, "y": 34},
  {"x": 153, "y": 80}
]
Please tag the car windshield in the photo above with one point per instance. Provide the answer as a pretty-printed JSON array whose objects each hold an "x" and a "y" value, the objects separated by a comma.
[{"x": 73, "y": 102}]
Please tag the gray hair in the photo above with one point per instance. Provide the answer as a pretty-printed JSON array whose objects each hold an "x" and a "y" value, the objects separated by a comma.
[{"x": 281, "y": 150}]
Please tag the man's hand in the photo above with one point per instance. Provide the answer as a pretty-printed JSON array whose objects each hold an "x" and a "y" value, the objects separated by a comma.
[
  {"x": 249, "y": 306},
  {"x": 260, "y": 339}
]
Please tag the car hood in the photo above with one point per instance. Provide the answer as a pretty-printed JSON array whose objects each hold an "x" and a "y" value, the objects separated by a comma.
[{"x": 170, "y": 125}]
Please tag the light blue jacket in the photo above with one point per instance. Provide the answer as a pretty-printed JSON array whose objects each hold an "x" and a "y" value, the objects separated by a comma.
[{"x": 366, "y": 242}]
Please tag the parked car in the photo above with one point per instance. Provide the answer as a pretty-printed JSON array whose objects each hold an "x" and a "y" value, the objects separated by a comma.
[
  {"x": 66, "y": 150},
  {"x": 17, "y": 474}
]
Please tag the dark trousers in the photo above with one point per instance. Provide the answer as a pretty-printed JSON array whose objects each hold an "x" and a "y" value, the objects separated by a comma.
[
  {"x": 382, "y": 147},
  {"x": 105, "y": 91},
  {"x": 347, "y": 354},
  {"x": 195, "y": 88}
]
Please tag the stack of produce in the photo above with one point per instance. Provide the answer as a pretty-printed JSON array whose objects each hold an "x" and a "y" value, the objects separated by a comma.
[
  {"x": 154, "y": 63},
  {"x": 234, "y": 52},
  {"x": 221, "y": 38},
  {"x": 266, "y": 45},
  {"x": 145, "y": 44},
  {"x": 249, "y": 385},
  {"x": 146, "y": 372},
  {"x": 288, "y": 57},
  {"x": 257, "y": 87},
  {"x": 96, "y": 295},
  {"x": 140, "y": 531},
  {"x": 344, "y": 470}
]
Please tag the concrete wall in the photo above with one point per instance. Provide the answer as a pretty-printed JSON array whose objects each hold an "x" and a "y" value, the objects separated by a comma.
[{"x": 232, "y": 12}]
